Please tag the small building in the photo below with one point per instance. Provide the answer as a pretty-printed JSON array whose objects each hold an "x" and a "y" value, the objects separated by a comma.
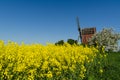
[{"x": 87, "y": 33}]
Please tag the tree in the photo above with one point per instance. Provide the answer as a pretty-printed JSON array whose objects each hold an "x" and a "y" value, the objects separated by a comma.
[
  {"x": 61, "y": 42},
  {"x": 106, "y": 38},
  {"x": 72, "y": 41}
]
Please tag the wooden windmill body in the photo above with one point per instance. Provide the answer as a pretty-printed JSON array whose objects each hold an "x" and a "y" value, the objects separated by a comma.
[{"x": 85, "y": 33}]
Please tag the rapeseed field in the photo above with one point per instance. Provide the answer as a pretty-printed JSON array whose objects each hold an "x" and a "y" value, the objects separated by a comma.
[{"x": 49, "y": 62}]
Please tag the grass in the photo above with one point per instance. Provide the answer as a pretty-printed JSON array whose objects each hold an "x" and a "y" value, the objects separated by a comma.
[{"x": 112, "y": 69}]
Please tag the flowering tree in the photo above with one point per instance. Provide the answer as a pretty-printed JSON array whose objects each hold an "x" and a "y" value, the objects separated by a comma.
[{"x": 107, "y": 38}]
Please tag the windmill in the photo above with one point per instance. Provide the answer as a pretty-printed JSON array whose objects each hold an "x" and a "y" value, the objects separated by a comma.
[{"x": 79, "y": 30}]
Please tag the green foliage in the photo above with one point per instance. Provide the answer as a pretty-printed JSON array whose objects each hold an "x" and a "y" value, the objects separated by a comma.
[
  {"x": 69, "y": 41},
  {"x": 72, "y": 41},
  {"x": 112, "y": 69},
  {"x": 61, "y": 42}
]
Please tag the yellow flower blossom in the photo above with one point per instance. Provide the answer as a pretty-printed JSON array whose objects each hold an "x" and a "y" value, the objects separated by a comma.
[
  {"x": 29, "y": 61},
  {"x": 101, "y": 70}
]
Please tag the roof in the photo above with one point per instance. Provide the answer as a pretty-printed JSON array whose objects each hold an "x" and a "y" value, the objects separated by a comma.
[{"x": 87, "y": 31}]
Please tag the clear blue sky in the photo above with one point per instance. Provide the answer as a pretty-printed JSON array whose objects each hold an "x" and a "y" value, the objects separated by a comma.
[{"x": 41, "y": 21}]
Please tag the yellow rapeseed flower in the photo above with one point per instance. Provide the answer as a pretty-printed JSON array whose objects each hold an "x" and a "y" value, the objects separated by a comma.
[{"x": 30, "y": 60}]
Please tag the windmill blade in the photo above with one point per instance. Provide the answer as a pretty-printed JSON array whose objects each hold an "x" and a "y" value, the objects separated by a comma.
[
  {"x": 79, "y": 29},
  {"x": 78, "y": 24},
  {"x": 78, "y": 39}
]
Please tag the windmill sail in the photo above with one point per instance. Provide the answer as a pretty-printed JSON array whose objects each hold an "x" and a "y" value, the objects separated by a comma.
[{"x": 79, "y": 30}]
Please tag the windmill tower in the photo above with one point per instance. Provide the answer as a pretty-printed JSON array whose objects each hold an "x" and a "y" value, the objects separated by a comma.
[
  {"x": 85, "y": 33},
  {"x": 79, "y": 30}
]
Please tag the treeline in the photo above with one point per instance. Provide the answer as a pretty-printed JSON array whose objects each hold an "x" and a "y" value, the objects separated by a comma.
[{"x": 70, "y": 41}]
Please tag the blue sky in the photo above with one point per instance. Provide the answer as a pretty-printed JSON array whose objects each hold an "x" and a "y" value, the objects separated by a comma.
[{"x": 41, "y": 21}]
